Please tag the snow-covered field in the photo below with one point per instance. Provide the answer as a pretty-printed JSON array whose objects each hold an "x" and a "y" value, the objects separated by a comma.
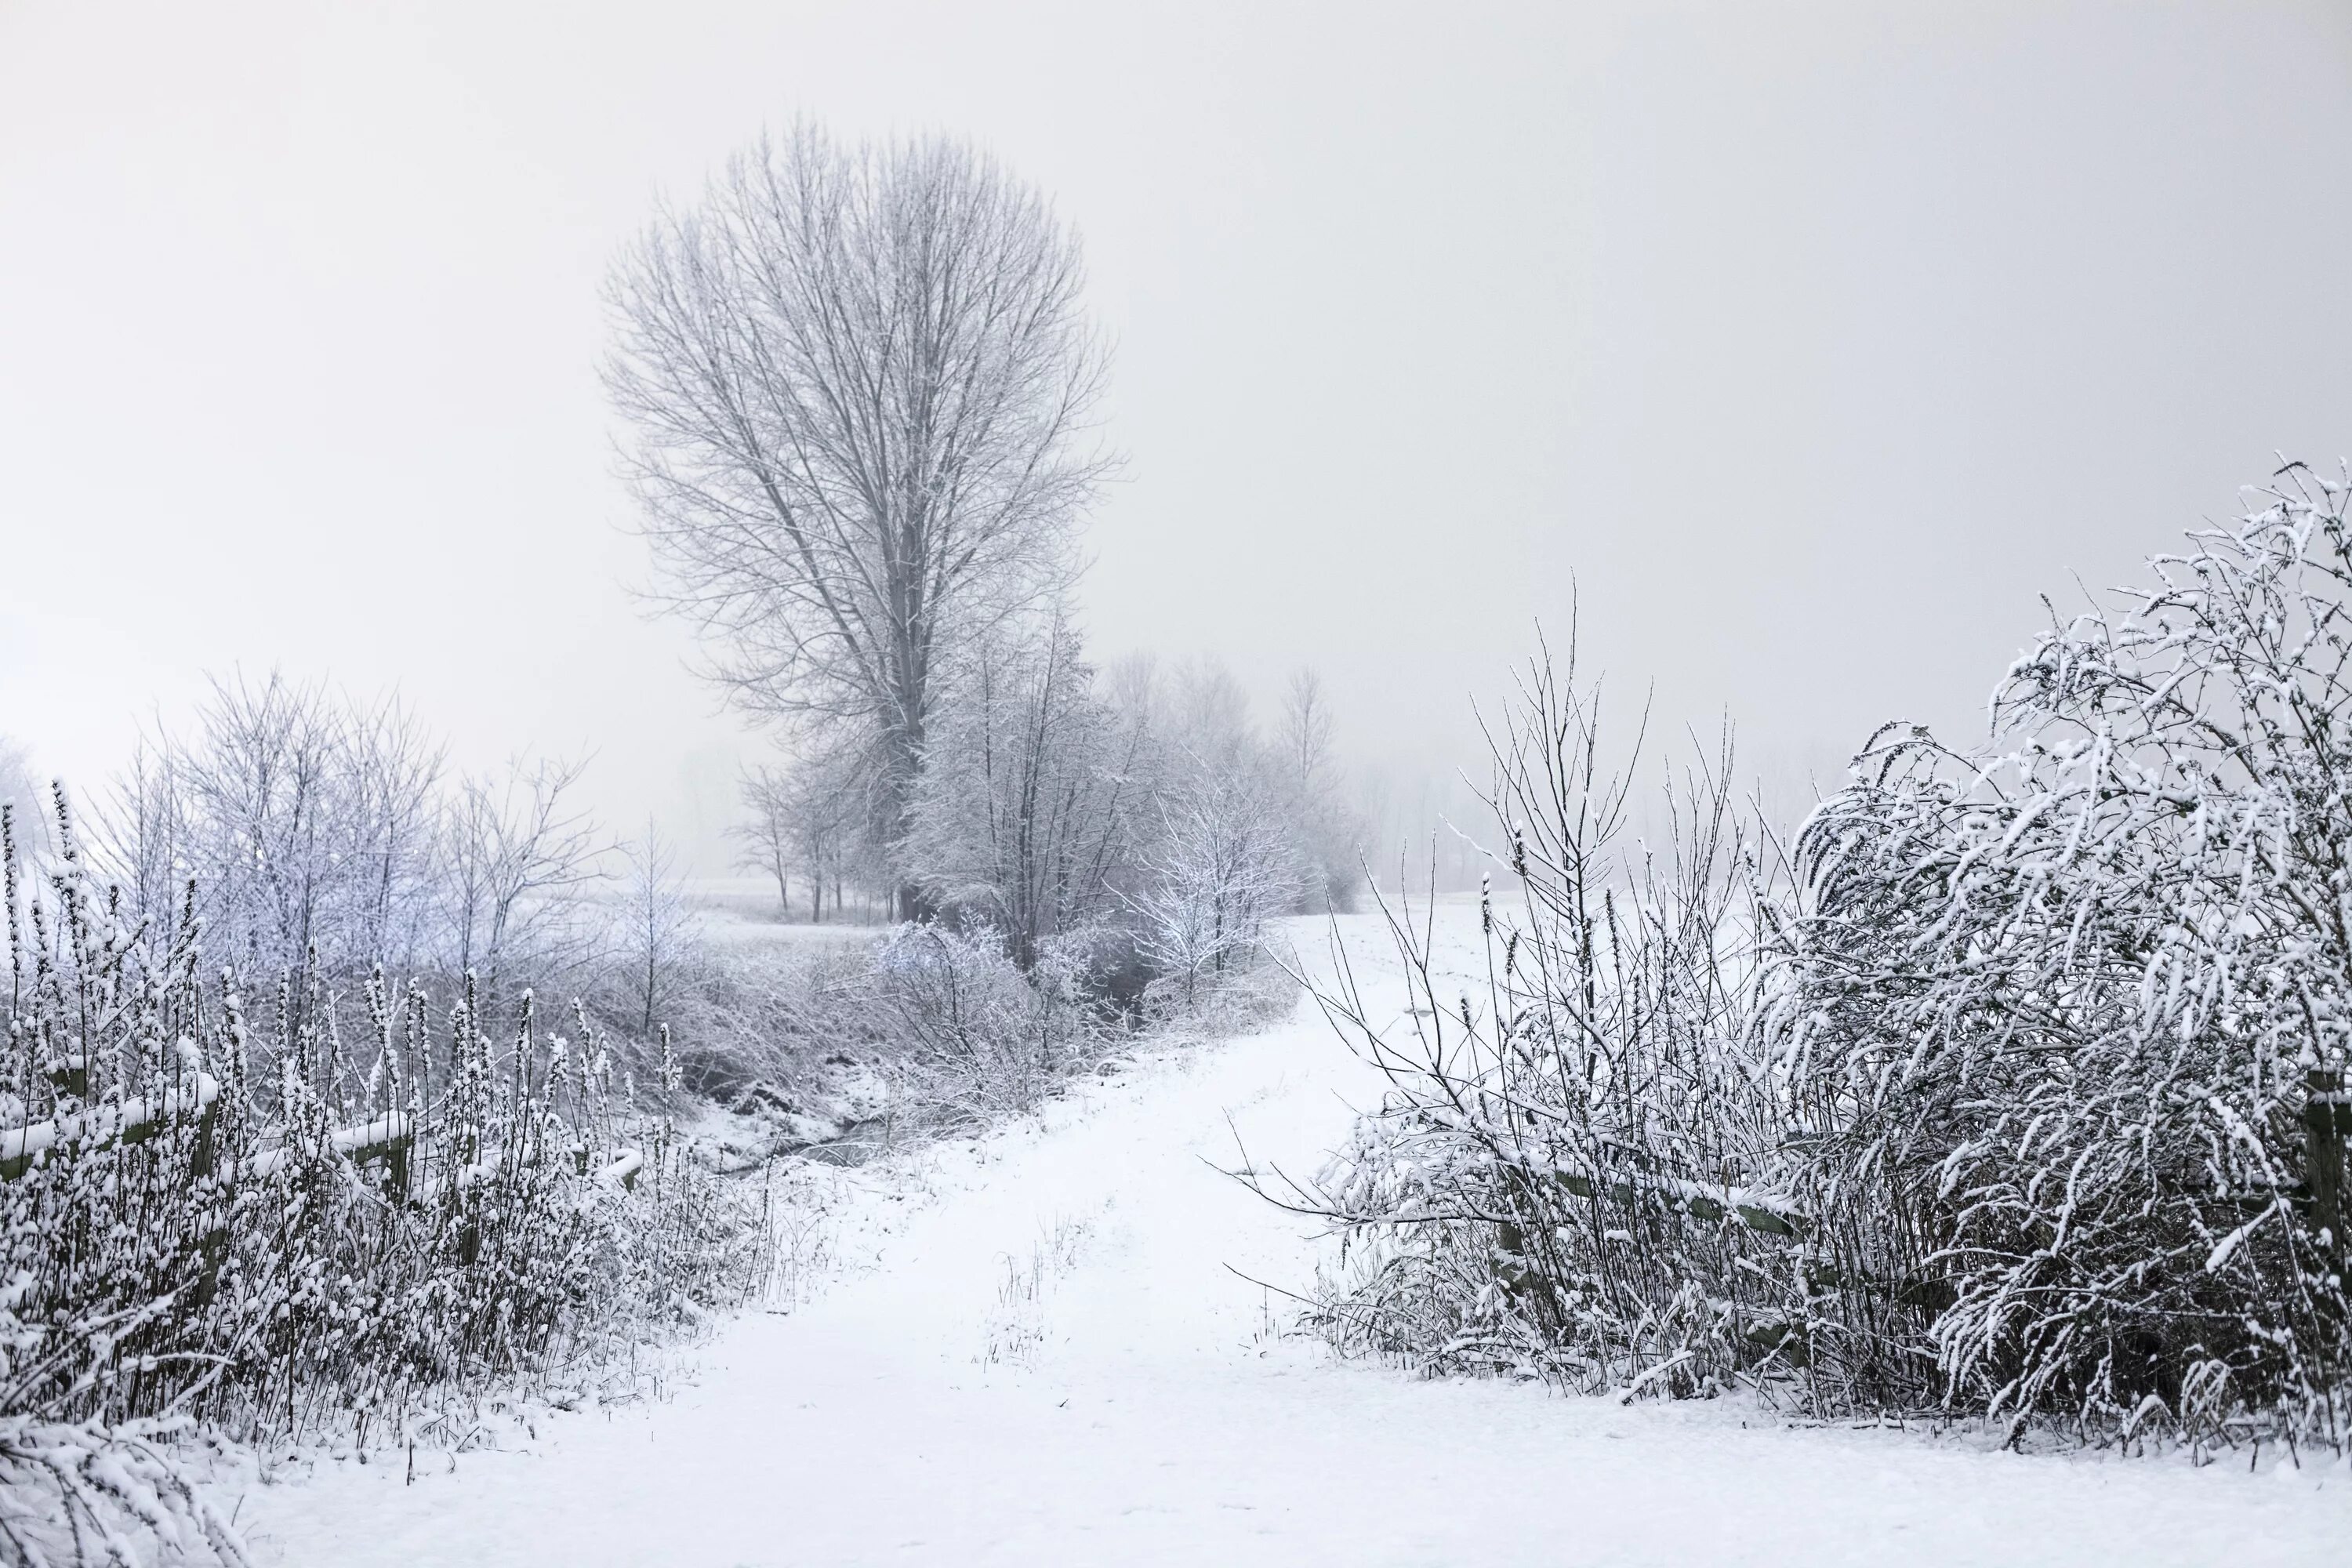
[{"x": 1037, "y": 1350}]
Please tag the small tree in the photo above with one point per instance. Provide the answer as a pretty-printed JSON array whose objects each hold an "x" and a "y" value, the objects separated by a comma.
[
  {"x": 1022, "y": 819},
  {"x": 1223, "y": 869},
  {"x": 518, "y": 858},
  {"x": 1308, "y": 767},
  {"x": 308, "y": 821},
  {"x": 767, "y": 837},
  {"x": 656, "y": 928},
  {"x": 827, "y": 801}
]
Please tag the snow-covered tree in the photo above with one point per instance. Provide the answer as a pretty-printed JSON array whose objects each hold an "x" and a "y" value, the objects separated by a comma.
[
  {"x": 768, "y": 845},
  {"x": 1324, "y": 819},
  {"x": 517, "y": 859},
  {"x": 816, "y": 814},
  {"x": 306, "y": 821},
  {"x": 1023, "y": 816},
  {"x": 1222, "y": 868},
  {"x": 860, "y": 378}
]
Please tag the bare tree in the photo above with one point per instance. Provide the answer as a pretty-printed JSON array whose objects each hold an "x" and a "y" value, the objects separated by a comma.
[
  {"x": 657, "y": 929},
  {"x": 812, "y": 816},
  {"x": 767, "y": 837},
  {"x": 261, "y": 779},
  {"x": 832, "y": 816},
  {"x": 307, "y": 821},
  {"x": 860, "y": 378},
  {"x": 1325, "y": 825},
  {"x": 518, "y": 858},
  {"x": 1222, "y": 870}
]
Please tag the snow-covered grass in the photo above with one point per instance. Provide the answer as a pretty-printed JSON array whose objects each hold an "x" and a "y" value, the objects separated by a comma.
[{"x": 1154, "y": 1415}]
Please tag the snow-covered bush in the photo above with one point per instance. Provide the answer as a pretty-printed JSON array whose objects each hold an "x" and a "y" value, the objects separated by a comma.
[
  {"x": 979, "y": 1037},
  {"x": 81, "y": 1491},
  {"x": 341, "y": 1216},
  {"x": 754, "y": 1023},
  {"x": 2062, "y": 1013},
  {"x": 1567, "y": 1176},
  {"x": 2021, "y": 1097}
]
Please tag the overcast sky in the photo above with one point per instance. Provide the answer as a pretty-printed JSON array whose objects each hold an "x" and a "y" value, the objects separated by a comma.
[{"x": 1812, "y": 342}]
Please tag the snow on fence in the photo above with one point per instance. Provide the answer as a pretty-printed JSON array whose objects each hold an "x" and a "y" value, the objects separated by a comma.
[
  {"x": 2328, "y": 1181},
  {"x": 1761, "y": 1212},
  {"x": 132, "y": 1121},
  {"x": 388, "y": 1138}
]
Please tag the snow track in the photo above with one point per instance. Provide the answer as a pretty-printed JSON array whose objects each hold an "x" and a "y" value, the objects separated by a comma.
[{"x": 1048, "y": 1357}]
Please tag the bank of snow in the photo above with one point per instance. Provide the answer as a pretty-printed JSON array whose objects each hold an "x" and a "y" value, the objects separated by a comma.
[{"x": 1040, "y": 1348}]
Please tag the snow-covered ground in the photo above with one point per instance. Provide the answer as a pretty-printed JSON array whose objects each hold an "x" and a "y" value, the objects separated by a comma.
[{"x": 1037, "y": 1350}]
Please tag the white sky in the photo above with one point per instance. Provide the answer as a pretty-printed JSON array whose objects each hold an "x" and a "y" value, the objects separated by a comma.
[{"x": 1813, "y": 341}]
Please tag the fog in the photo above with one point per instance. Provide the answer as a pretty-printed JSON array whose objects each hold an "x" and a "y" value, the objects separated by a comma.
[{"x": 1804, "y": 347}]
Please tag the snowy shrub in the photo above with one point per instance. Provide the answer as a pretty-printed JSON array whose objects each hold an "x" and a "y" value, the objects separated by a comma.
[
  {"x": 77, "y": 1492},
  {"x": 1567, "y": 1174},
  {"x": 977, "y": 1039},
  {"x": 1223, "y": 868},
  {"x": 2021, "y": 1097},
  {"x": 754, "y": 1025},
  {"x": 281, "y": 1228},
  {"x": 2062, "y": 1014}
]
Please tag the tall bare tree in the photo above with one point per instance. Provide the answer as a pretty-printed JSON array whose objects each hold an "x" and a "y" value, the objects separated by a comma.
[{"x": 860, "y": 380}]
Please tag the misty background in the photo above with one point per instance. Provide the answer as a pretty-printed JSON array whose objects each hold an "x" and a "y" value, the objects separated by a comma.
[{"x": 1807, "y": 344}]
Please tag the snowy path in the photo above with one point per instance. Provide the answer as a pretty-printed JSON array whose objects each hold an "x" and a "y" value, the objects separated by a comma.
[{"x": 1137, "y": 1411}]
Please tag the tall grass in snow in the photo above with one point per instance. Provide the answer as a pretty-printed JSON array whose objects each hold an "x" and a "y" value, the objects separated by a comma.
[{"x": 304, "y": 1214}]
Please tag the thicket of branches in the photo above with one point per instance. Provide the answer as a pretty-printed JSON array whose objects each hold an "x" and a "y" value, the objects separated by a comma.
[
  {"x": 1096, "y": 852},
  {"x": 2011, "y": 1088},
  {"x": 319, "y": 829}
]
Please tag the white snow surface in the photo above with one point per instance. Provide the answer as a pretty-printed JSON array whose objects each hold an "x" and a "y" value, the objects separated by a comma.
[{"x": 1034, "y": 1349}]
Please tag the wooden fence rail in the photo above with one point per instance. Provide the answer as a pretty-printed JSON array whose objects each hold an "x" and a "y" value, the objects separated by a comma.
[{"x": 389, "y": 1138}]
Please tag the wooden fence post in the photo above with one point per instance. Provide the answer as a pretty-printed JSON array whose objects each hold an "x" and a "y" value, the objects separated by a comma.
[{"x": 2326, "y": 1117}]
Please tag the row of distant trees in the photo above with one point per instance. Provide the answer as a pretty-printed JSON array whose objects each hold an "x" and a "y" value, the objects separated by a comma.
[
  {"x": 296, "y": 827},
  {"x": 1052, "y": 786}
]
